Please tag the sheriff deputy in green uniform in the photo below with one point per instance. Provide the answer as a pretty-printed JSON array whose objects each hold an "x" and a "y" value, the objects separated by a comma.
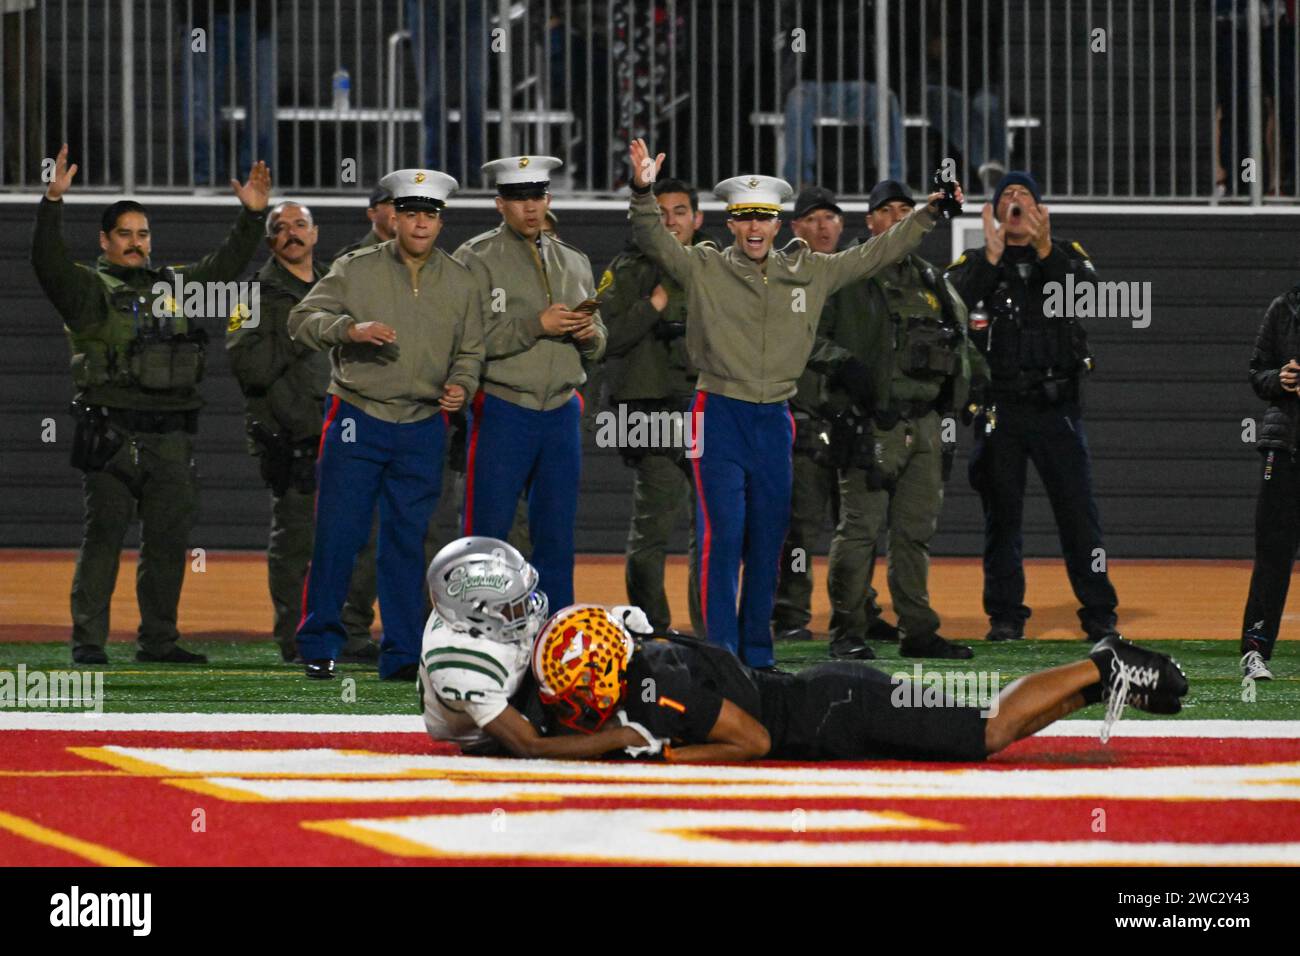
[
  {"x": 284, "y": 386},
  {"x": 645, "y": 312},
  {"x": 136, "y": 361},
  {"x": 908, "y": 325},
  {"x": 382, "y": 218}
]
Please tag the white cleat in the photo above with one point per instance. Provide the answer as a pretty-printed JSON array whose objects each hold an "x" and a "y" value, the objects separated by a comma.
[{"x": 1254, "y": 667}]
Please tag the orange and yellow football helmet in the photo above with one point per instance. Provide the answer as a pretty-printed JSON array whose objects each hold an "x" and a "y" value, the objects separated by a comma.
[{"x": 580, "y": 661}]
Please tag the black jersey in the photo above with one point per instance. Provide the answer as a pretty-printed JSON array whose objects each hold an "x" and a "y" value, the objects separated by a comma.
[{"x": 841, "y": 710}]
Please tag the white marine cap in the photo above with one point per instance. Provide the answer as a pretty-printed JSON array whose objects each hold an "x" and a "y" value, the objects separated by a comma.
[
  {"x": 762, "y": 194},
  {"x": 519, "y": 177},
  {"x": 419, "y": 188}
]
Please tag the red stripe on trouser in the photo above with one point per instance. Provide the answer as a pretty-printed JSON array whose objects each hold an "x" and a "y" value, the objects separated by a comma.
[
  {"x": 315, "y": 506},
  {"x": 697, "y": 420},
  {"x": 477, "y": 406}
]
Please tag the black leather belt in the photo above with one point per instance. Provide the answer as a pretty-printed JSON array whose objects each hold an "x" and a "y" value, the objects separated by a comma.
[{"x": 133, "y": 420}]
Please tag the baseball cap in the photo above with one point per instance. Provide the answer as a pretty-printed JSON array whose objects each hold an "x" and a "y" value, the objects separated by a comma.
[
  {"x": 815, "y": 197},
  {"x": 887, "y": 191},
  {"x": 379, "y": 195}
]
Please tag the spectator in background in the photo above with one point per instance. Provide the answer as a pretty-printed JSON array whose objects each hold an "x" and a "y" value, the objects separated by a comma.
[
  {"x": 829, "y": 79},
  {"x": 1232, "y": 79},
  {"x": 960, "y": 81},
  {"x": 208, "y": 68},
  {"x": 453, "y": 39}
]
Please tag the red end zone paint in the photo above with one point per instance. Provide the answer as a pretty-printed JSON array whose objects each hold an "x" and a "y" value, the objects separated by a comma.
[{"x": 133, "y": 811}]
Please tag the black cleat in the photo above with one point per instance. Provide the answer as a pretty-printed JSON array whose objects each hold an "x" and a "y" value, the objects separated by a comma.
[
  {"x": 881, "y": 630},
  {"x": 86, "y": 654},
  {"x": 1134, "y": 675},
  {"x": 1005, "y": 632},
  {"x": 407, "y": 672},
  {"x": 367, "y": 654},
  {"x": 935, "y": 647},
  {"x": 851, "y": 649},
  {"x": 794, "y": 634},
  {"x": 173, "y": 655},
  {"x": 319, "y": 670}
]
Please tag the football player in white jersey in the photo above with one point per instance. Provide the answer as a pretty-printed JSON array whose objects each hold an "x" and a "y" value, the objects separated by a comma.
[{"x": 475, "y": 680}]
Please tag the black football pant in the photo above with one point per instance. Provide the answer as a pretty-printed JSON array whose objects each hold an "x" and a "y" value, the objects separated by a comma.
[
  {"x": 1277, "y": 535},
  {"x": 1052, "y": 437}
]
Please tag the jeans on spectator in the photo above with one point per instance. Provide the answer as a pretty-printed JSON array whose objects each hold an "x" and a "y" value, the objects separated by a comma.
[
  {"x": 199, "y": 100},
  {"x": 460, "y": 60},
  {"x": 986, "y": 119},
  {"x": 842, "y": 100}
]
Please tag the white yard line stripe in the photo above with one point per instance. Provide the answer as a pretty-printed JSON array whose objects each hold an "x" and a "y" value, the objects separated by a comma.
[{"x": 397, "y": 723}]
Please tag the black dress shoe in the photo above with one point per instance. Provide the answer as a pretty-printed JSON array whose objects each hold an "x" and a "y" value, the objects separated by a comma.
[
  {"x": 367, "y": 654},
  {"x": 935, "y": 647},
  {"x": 173, "y": 655},
  {"x": 319, "y": 670},
  {"x": 86, "y": 654},
  {"x": 881, "y": 630},
  {"x": 407, "y": 672},
  {"x": 1006, "y": 632},
  {"x": 851, "y": 649},
  {"x": 794, "y": 634}
]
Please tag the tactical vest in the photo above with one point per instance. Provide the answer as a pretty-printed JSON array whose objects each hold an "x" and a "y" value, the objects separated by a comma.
[
  {"x": 926, "y": 337},
  {"x": 1024, "y": 343},
  {"x": 133, "y": 347}
]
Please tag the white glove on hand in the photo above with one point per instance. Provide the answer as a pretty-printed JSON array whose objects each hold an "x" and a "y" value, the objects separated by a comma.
[
  {"x": 654, "y": 745},
  {"x": 632, "y": 618}
]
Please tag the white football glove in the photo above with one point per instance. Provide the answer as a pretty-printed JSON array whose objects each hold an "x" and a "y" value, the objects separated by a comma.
[
  {"x": 632, "y": 618},
  {"x": 654, "y": 745}
]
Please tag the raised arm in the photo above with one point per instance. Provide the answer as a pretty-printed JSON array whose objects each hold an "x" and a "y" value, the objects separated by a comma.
[
  {"x": 228, "y": 261},
  {"x": 648, "y": 230},
  {"x": 865, "y": 260},
  {"x": 74, "y": 289}
]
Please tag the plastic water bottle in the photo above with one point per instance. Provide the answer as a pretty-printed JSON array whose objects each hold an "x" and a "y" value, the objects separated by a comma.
[{"x": 342, "y": 90}]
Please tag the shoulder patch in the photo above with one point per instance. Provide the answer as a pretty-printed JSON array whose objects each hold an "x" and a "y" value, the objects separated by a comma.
[
  {"x": 240, "y": 315},
  {"x": 1078, "y": 247},
  {"x": 958, "y": 261},
  {"x": 606, "y": 280}
]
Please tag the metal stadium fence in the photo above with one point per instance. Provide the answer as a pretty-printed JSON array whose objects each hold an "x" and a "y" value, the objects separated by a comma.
[{"x": 1160, "y": 100}]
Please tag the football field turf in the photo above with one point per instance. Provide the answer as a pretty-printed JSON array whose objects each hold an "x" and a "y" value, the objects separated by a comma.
[
  {"x": 245, "y": 762},
  {"x": 250, "y": 678}
]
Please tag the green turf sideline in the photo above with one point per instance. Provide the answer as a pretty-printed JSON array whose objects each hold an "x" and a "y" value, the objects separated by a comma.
[
  {"x": 250, "y": 678},
  {"x": 393, "y": 724}
]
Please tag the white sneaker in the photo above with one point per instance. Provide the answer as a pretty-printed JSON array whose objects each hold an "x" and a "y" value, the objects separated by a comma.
[{"x": 1254, "y": 667}]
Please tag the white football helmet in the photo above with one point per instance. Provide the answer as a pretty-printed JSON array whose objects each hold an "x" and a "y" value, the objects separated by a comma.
[{"x": 484, "y": 586}]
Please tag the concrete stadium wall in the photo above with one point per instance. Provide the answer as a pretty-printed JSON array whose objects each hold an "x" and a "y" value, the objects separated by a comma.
[{"x": 1164, "y": 411}]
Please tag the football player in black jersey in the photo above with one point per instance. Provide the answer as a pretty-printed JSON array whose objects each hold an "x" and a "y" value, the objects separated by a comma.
[{"x": 693, "y": 702}]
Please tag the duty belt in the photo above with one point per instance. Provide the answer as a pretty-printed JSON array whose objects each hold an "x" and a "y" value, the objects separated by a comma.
[
  {"x": 887, "y": 418},
  {"x": 133, "y": 420}
]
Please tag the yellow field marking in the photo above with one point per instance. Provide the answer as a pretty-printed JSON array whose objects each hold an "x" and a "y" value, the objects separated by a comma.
[
  {"x": 93, "y": 852},
  {"x": 220, "y": 791},
  {"x": 397, "y": 846}
]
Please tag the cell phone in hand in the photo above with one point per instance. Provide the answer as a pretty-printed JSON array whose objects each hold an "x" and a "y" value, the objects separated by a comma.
[
  {"x": 588, "y": 306},
  {"x": 949, "y": 207}
]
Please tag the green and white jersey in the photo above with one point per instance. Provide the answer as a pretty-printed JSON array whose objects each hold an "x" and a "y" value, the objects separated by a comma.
[{"x": 466, "y": 681}]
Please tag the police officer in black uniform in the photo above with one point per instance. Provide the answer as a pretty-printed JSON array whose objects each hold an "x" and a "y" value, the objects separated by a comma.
[{"x": 1032, "y": 410}]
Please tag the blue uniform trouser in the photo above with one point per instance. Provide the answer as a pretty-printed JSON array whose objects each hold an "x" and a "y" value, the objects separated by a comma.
[
  {"x": 743, "y": 477},
  {"x": 364, "y": 461},
  {"x": 512, "y": 449}
]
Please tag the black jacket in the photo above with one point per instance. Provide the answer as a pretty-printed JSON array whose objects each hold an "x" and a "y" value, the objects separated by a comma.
[{"x": 1278, "y": 340}]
